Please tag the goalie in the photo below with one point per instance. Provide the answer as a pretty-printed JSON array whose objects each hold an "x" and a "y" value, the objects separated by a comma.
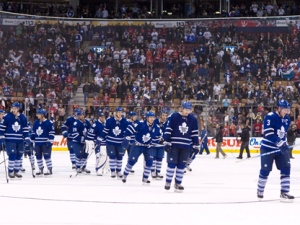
[{"x": 93, "y": 135}]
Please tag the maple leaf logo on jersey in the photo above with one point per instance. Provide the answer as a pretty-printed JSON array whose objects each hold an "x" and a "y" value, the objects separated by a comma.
[
  {"x": 116, "y": 131},
  {"x": 183, "y": 128},
  {"x": 281, "y": 132},
  {"x": 39, "y": 131},
  {"x": 16, "y": 127},
  {"x": 146, "y": 138}
]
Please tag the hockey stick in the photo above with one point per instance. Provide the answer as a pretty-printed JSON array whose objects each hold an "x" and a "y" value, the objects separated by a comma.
[
  {"x": 195, "y": 153},
  {"x": 31, "y": 152},
  {"x": 3, "y": 161},
  {"x": 5, "y": 168},
  {"x": 261, "y": 155}
]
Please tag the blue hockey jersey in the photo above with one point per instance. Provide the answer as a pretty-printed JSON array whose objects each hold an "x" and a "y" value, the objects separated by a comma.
[
  {"x": 144, "y": 134},
  {"x": 275, "y": 129},
  {"x": 80, "y": 129},
  {"x": 67, "y": 126},
  {"x": 95, "y": 132},
  {"x": 14, "y": 128},
  {"x": 114, "y": 130},
  {"x": 162, "y": 125},
  {"x": 42, "y": 132},
  {"x": 182, "y": 131}
]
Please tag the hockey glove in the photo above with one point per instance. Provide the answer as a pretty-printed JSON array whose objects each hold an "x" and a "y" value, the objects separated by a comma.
[
  {"x": 49, "y": 143},
  {"x": 284, "y": 148},
  {"x": 196, "y": 149},
  {"x": 168, "y": 146},
  {"x": 65, "y": 134},
  {"x": 125, "y": 142}
]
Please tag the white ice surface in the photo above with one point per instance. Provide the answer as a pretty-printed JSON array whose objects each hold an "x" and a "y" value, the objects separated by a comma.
[{"x": 217, "y": 191}]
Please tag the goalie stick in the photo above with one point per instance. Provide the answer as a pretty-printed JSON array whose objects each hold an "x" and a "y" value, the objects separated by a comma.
[{"x": 5, "y": 168}]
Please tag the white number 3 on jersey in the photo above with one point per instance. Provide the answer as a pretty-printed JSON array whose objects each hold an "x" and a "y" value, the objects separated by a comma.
[{"x": 268, "y": 122}]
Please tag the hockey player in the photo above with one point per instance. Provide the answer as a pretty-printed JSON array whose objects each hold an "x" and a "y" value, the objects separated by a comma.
[
  {"x": 180, "y": 136},
  {"x": 143, "y": 132},
  {"x": 113, "y": 134},
  {"x": 29, "y": 151},
  {"x": 94, "y": 134},
  {"x": 67, "y": 129},
  {"x": 80, "y": 128},
  {"x": 43, "y": 136},
  {"x": 13, "y": 131},
  {"x": 276, "y": 125},
  {"x": 132, "y": 119},
  {"x": 158, "y": 152}
]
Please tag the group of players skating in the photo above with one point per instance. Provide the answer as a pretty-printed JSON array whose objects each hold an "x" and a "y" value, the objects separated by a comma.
[{"x": 176, "y": 134}]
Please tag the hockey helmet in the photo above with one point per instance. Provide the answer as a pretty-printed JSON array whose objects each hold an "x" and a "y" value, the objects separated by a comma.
[
  {"x": 2, "y": 111},
  {"x": 41, "y": 112},
  {"x": 76, "y": 110},
  {"x": 100, "y": 112},
  {"x": 79, "y": 112},
  {"x": 163, "y": 111},
  {"x": 187, "y": 105},
  {"x": 119, "y": 109},
  {"x": 283, "y": 104},
  {"x": 132, "y": 113},
  {"x": 148, "y": 114},
  {"x": 16, "y": 104}
]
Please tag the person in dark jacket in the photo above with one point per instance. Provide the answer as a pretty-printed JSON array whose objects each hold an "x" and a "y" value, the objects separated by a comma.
[
  {"x": 291, "y": 137},
  {"x": 219, "y": 140},
  {"x": 245, "y": 141}
]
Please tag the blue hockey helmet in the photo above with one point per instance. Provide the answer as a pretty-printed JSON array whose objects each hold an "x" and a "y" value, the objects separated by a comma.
[
  {"x": 164, "y": 111},
  {"x": 2, "y": 111},
  {"x": 41, "y": 112},
  {"x": 79, "y": 112},
  {"x": 283, "y": 104},
  {"x": 100, "y": 112},
  {"x": 148, "y": 114},
  {"x": 16, "y": 104},
  {"x": 187, "y": 105},
  {"x": 119, "y": 109},
  {"x": 76, "y": 110},
  {"x": 132, "y": 113}
]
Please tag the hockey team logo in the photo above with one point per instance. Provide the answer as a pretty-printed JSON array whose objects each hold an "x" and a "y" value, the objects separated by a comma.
[
  {"x": 281, "y": 132},
  {"x": 116, "y": 131},
  {"x": 39, "y": 131},
  {"x": 146, "y": 138},
  {"x": 183, "y": 128},
  {"x": 16, "y": 127}
]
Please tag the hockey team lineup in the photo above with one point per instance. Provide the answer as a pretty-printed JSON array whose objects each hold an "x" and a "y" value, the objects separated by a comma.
[{"x": 109, "y": 140}]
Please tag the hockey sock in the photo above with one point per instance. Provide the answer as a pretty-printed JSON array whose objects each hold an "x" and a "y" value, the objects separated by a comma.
[
  {"x": 72, "y": 156},
  {"x": 153, "y": 166},
  {"x": 263, "y": 177},
  {"x": 40, "y": 163},
  {"x": 119, "y": 163},
  {"x": 48, "y": 162},
  {"x": 147, "y": 169},
  {"x": 285, "y": 183},
  {"x": 128, "y": 168},
  {"x": 158, "y": 165},
  {"x": 11, "y": 163},
  {"x": 179, "y": 173},
  {"x": 78, "y": 162},
  {"x": 112, "y": 163},
  {"x": 170, "y": 172},
  {"x": 18, "y": 163}
]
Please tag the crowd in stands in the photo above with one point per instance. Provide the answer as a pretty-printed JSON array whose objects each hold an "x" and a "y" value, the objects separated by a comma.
[
  {"x": 135, "y": 11},
  {"x": 146, "y": 67}
]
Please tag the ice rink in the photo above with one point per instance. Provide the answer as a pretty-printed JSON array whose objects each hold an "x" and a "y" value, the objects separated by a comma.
[{"x": 217, "y": 191}]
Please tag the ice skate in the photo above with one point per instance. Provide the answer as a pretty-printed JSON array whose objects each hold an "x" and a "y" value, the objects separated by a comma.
[
  {"x": 286, "y": 197},
  {"x": 22, "y": 170},
  {"x": 146, "y": 181},
  {"x": 40, "y": 172},
  {"x": 188, "y": 168},
  {"x": 153, "y": 174},
  {"x": 119, "y": 175},
  {"x": 18, "y": 175},
  {"x": 132, "y": 171},
  {"x": 86, "y": 171},
  {"x": 73, "y": 167},
  {"x": 159, "y": 176},
  {"x": 124, "y": 179},
  {"x": 11, "y": 175},
  {"x": 113, "y": 174},
  {"x": 78, "y": 170},
  {"x": 167, "y": 186},
  {"x": 48, "y": 173},
  {"x": 260, "y": 195},
  {"x": 178, "y": 188}
]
